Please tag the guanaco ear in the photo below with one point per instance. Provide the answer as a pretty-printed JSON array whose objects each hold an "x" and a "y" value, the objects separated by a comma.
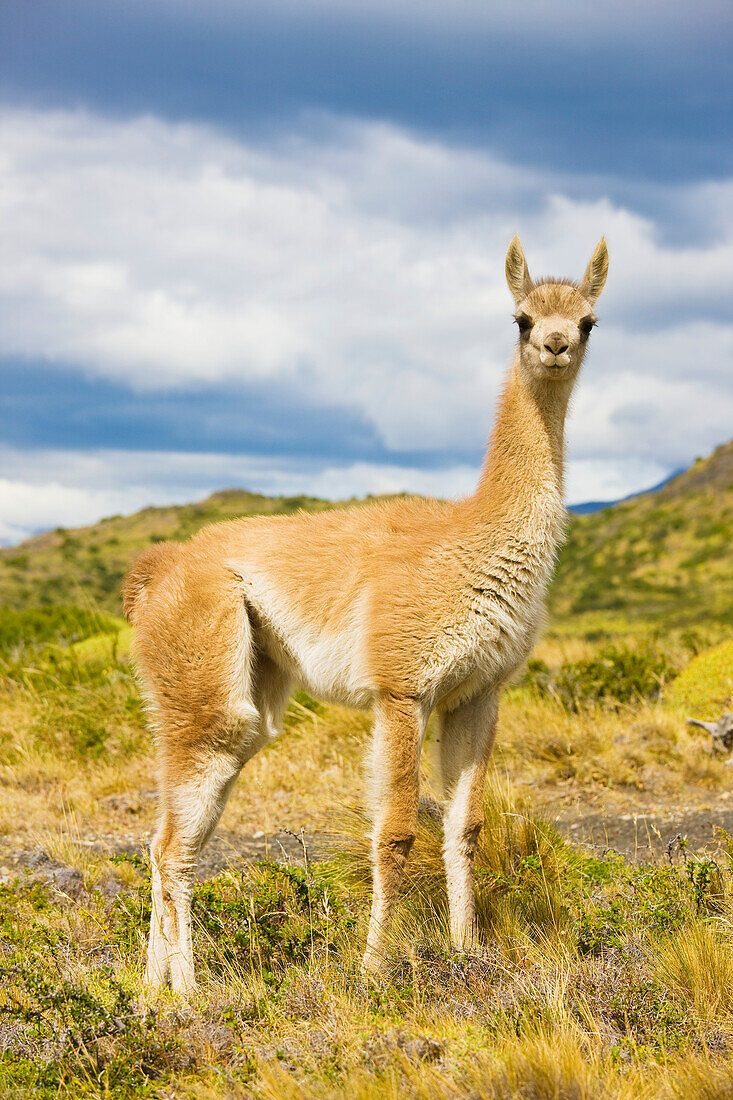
[
  {"x": 594, "y": 279},
  {"x": 517, "y": 272}
]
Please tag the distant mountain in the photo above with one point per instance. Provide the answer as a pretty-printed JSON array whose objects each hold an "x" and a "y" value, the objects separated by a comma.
[
  {"x": 589, "y": 506},
  {"x": 664, "y": 556}
]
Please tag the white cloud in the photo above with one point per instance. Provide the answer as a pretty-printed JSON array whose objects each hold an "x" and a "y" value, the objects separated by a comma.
[
  {"x": 593, "y": 479},
  {"x": 364, "y": 266},
  {"x": 26, "y": 507}
]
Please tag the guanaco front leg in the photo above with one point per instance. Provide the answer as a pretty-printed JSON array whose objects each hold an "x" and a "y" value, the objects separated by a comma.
[
  {"x": 467, "y": 737},
  {"x": 397, "y": 735}
]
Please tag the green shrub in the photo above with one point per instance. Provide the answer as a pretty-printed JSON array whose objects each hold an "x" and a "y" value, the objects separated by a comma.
[
  {"x": 614, "y": 675},
  {"x": 37, "y": 626},
  {"x": 17, "y": 561},
  {"x": 537, "y": 676},
  {"x": 293, "y": 504},
  {"x": 98, "y": 1044},
  {"x": 269, "y": 917}
]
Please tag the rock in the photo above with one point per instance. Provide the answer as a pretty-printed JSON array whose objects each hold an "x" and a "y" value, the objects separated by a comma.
[
  {"x": 129, "y": 802},
  {"x": 37, "y": 858},
  {"x": 68, "y": 880}
]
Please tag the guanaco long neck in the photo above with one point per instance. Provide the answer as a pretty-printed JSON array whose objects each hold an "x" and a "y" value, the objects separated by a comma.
[{"x": 524, "y": 464}]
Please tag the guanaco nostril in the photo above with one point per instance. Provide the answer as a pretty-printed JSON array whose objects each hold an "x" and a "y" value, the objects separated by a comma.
[{"x": 556, "y": 344}]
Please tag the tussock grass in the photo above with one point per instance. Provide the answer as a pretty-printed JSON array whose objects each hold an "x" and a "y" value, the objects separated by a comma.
[
  {"x": 698, "y": 964},
  {"x": 560, "y": 1064},
  {"x": 282, "y": 1009},
  {"x": 519, "y": 862},
  {"x": 701, "y": 1079}
]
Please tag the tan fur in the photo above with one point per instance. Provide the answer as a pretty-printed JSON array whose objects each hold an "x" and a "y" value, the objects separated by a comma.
[
  {"x": 409, "y": 606},
  {"x": 152, "y": 562}
]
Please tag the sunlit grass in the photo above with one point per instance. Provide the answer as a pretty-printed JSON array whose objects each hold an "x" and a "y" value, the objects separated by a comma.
[
  {"x": 542, "y": 1008},
  {"x": 591, "y": 977},
  {"x": 697, "y": 964}
]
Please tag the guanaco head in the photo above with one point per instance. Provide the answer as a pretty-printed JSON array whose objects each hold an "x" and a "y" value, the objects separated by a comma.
[{"x": 554, "y": 316}]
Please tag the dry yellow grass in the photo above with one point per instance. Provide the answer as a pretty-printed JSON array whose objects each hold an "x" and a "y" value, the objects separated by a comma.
[
  {"x": 48, "y": 791},
  {"x": 629, "y": 759},
  {"x": 627, "y": 751},
  {"x": 698, "y": 964}
]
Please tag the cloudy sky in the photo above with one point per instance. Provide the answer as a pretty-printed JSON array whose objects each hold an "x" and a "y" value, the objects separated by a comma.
[{"x": 262, "y": 243}]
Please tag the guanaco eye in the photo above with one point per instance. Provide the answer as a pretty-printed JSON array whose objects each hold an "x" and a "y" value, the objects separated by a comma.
[
  {"x": 523, "y": 322},
  {"x": 586, "y": 325}
]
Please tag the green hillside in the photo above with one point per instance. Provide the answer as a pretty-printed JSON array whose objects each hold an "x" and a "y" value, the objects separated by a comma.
[
  {"x": 85, "y": 565},
  {"x": 663, "y": 558}
]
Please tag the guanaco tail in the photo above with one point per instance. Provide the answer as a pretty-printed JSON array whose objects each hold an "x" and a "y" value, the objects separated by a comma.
[{"x": 409, "y": 606}]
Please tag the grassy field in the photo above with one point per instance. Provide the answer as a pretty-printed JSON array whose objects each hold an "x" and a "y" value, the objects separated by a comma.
[{"x": 605, "y": 872}]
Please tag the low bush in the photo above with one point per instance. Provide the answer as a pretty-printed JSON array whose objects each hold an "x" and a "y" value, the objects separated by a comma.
[
  {"x": 537, "y": 676},
  {"x": 615, "y": 675},
  {"x": 267, "y": 918},
  {"x": 39, "y": 626}
]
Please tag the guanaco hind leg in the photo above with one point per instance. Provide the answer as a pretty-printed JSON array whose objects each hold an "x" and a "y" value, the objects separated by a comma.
[
  {"x": 192, "y": 806},
  {"x": 194, "y": 792}
]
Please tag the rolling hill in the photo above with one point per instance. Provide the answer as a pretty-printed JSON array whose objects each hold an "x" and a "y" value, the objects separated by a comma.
[
  {"x": 663, "y": 557},
  {"x": 85, "y": 565}
]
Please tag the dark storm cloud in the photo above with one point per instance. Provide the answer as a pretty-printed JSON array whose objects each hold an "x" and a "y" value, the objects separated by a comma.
[
  {"x": 50, "y": 406},
  {"x": 639, "y": 90}
]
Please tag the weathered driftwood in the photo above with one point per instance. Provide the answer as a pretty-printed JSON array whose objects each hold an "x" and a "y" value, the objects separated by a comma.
[{"x": 721, "y": 731}]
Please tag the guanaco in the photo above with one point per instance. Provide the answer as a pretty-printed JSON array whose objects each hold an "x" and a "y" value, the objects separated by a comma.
[{"x": 409, "y": 606}]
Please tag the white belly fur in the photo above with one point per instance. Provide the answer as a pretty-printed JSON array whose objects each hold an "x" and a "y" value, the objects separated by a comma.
[{"x": 328, "y": 664}]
